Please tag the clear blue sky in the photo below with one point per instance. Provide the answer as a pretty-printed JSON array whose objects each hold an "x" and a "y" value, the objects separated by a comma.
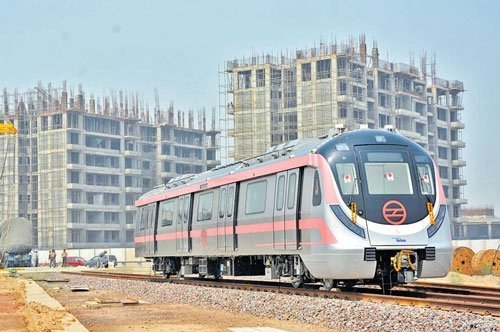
[{"x": 177, "y": 47}]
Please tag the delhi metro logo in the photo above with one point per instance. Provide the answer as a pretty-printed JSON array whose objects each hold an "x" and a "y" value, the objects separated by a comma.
[{"x": 394, "y": 212}]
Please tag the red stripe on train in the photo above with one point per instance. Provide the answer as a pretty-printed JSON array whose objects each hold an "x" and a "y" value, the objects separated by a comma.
[
  {"x": 327, "y": 236},
  {"x": 312, "y": 160}
]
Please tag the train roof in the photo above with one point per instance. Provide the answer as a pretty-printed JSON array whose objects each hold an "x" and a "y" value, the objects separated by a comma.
[{"x": 292, "y": 149}]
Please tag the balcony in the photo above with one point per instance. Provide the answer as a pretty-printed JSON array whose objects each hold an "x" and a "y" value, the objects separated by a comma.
[
  {"x": 409, "y": 134},
  {"x": 133, "y": 171},
  {"x": 458, "y": 163},
  {"x": 405, "y": 112},
  {"x": 131, "y": 153},
  {"x": 457, "y": 125},
  {"x": 133, "y": 190},
  {"x": 345, "y": 99},
  {"x": 456, "y": 201},
  {"x": 456, "y": 85},
  {"x": 458, "y": 144},
  {"x": 459, "y": 182},
  {"x": 456, "y": 107}
]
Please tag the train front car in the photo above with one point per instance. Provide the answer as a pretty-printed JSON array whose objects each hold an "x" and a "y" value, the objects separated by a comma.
[{"x": 392, "y": 203}]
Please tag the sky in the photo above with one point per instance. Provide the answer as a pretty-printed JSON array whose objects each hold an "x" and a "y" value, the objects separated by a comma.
[{"x": 177, "y": 47}]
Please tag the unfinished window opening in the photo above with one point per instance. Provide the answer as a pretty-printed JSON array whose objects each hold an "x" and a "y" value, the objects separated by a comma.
[
  {"x": 306, "y": 72},
  {"x": 341, "y": 66},
  {"x": 99, "y": 125},
  {"x": 244, "y": 79},
  {"x": 323, "y": 69},
  {"x": 261, "y": 77}
]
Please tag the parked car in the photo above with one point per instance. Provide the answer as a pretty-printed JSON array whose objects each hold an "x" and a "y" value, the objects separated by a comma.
[
  {"x": 75, "y": 261},
  {"x": 106, "y": 261}
]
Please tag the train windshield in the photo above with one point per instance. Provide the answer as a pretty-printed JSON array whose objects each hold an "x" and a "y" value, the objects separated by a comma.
[
  {"x": 387, "y": 174},
  {"x": 425, "y": 175}
]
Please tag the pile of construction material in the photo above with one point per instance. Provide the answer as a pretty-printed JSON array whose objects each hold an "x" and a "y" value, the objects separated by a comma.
[
  {"x": 485, "y": 262},
  {"x": 16, "y": 236}
]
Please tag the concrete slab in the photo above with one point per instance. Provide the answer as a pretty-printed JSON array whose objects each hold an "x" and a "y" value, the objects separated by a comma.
[{"x": 36, "y": 294}]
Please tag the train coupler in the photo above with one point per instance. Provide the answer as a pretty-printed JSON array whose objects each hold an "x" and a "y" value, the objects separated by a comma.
[{"x": 405, "y": 264}]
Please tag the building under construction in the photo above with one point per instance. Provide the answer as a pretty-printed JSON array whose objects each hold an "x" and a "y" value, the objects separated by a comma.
[
  {"x": 267, "y": 100},
  {"x": 77, "y": 165}
]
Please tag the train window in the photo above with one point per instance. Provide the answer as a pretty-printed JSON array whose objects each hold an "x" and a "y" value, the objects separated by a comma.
[
  {"x": 388, "y": 178},
  {"x": 425, "y": 176},
  {"x": 425, "y": 179},
  {"x": 151, "y": 215},
  {"x": 144, "y": 217},
  {"x": 292, "y": 184},
  {"x": 138, "y": 219},
  {"x": 280, "y": 192},
  {"x": 167, "y": 213},
  {"x": 316, "y": 190},
  {"x": 222, "y": 202},
  {"x": 205, "y": 205},
  {"x": 255, "y": 201},
  {"x": 347, "y": 179},
  {"x": 230, "y": 202},
  {"x": 186, "y": 209},
  {"x": 179, "y": 210}
]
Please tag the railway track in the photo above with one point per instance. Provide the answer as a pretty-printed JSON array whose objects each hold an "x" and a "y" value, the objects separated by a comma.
[{"x": 474, "y": 299}]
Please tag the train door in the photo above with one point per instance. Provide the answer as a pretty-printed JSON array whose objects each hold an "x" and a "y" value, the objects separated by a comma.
[
  {"x": 150, "y": 229},
  {"x": 186, "y": 229},
  {"x": 231, "y": 193},
  {"x": 279, "y": 212},
  {"x": 178, "y": 224},
  {"x": 225, "y": 218},
  {"x": 221, "y": 219},
  {"x": 155, "y": 228},
  {"x": 290, "y": 224}
]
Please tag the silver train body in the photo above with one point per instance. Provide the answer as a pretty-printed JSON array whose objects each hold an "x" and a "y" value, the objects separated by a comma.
[{"x": 365, "y": 205}]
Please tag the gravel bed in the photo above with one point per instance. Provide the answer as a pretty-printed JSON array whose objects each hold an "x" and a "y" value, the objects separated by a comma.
[{"x": 332, "y": 313}]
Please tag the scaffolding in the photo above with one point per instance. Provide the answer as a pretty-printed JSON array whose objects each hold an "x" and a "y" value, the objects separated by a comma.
[
  {"x": 269, "y": 100},
  {"x": 75, "y": 169}
]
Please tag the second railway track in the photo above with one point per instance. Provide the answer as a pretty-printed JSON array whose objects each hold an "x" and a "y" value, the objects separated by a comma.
[{"x": 474, "y": 299}]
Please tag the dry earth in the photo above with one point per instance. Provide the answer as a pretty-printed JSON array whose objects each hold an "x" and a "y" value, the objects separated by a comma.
[{"x": 158, "y": 317}]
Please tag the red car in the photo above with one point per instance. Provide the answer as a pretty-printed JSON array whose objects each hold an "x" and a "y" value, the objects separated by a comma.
[{"x": 75, "y": 261}]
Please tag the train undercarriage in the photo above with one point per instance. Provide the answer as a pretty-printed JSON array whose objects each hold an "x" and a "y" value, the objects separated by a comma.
[{"x": 393, "y": 268}]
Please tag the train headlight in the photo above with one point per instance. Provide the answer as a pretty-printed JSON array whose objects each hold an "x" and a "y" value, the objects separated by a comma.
[{"x": 438, "y": 221}]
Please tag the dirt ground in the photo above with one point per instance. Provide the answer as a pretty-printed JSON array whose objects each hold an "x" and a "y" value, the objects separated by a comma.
[
  {"x": 17, "y": 315},
  {"x": 462, "y": 279},
  {"x": 158, "y": 317},
  {"x": 11, "y": 305}
]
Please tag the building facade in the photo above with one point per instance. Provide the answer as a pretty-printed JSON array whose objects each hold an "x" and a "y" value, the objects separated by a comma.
[
  {"x": 75, "y": 171},
  {"x": 270, "y": 100}
]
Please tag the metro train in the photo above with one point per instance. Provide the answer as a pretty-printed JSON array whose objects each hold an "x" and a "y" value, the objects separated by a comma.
[{"x": 362, "y": 206}]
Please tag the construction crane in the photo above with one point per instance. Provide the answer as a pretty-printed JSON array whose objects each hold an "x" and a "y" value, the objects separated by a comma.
[{"x": 7, "y": 128}]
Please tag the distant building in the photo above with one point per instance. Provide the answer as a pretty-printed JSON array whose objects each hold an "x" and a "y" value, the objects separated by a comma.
[
  {"x": 270, "y": 100},
  {"x": 479, "y": 222},
  {"x": 75, "y": 170}
]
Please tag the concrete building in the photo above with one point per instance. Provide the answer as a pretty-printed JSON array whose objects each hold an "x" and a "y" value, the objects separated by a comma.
[
  {"x": 76, "y": 169},
  {"x": 270, "y": 100},
  {"x": 479, "y": 222}
]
